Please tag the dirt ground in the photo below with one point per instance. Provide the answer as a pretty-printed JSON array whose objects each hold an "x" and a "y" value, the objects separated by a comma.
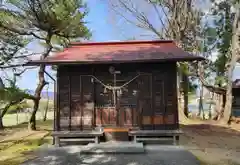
[{"x": 211, "y": 142}]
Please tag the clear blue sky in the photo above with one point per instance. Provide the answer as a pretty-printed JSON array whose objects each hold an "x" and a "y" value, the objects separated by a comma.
[{"x": 104, "y": 27}]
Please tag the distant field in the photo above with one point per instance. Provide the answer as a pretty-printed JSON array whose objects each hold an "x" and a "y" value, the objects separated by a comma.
[
  {"x": 43, "y": 103},
  {"x": 15, "y": 119}
]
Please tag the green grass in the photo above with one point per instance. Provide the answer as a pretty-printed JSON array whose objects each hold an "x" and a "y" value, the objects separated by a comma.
[
  {"x": 15, "y": 151},
  {"x": 19, "y": 151},
  {"x": 203, "y": 161}
]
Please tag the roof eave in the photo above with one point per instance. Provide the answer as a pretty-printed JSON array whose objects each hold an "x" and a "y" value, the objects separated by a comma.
[{"x": 49, "y": 62}]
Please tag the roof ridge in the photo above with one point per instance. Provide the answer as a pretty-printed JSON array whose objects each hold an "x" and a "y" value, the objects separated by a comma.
[{"x": 120, "y": 42}]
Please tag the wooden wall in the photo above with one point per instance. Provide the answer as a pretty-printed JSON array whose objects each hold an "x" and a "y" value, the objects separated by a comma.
[{"x": 149, "y": 101}]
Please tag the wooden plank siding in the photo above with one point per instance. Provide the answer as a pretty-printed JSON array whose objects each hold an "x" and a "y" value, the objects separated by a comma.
[{"x": 148, "y": 102}]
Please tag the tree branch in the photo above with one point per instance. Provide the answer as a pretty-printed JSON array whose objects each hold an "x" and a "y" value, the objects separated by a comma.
[
  {"x": 211, "y": 88},
  {"x": 21, "y": 32},
  {"x": 24, "y": 70},
  {"x": 139, "y": 16}
]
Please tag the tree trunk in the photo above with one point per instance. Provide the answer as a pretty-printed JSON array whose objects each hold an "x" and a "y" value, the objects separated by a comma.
[
  {"x": 180, "y": 94},
  {"x": 210, "y": 106},
  {"x": 1, "y": 122},
  {"x": 228, "y": 107},
  {"x": 4, "y": 111},
  {"x": 200, "y": 105},
  {"x": 37, "y": 95},
  {"x": 45, "y": 113},
  {"x": 47, "y": 106},
  {"x": 234, "y": 56},
  {"x": 41, "y": 84},
  {"x": 185, "y": 93},
  {"x": 1, "y": 83},
  {"x": 182, "y": 117},
  {"x": 219, "y": 107},
  {"x": 32, "y": 121}
]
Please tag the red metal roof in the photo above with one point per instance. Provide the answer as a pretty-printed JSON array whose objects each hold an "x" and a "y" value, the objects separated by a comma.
[{"x": 128, "y": 51}]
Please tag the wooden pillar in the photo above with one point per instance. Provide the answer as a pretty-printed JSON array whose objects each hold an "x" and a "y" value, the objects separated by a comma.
[
  {"x": 175, "y": 89},
  {"x": 56, "y": 140},
  {"x": 57, "y": 118},
  {"x": 69, "y": 101},
  {"x": 81, "y": 103}
]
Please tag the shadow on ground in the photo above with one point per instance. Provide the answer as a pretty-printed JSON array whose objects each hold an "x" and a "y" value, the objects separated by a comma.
[{"x": 155, "y": 155}]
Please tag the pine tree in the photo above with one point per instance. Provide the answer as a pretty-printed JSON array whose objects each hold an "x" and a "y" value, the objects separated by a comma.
[{"x": 46, "y": 20}]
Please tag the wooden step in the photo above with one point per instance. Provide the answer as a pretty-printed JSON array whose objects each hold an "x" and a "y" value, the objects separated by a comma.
[
  {"x": 77, "y": 133},
  {"x": 78, "y": 140},
  {"x": 116, "y": 129},
  {"x": 155, "y": 133},
  {"x": 153, "y": 139}
]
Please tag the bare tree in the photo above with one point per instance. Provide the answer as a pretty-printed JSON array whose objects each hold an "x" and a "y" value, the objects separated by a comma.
[
  {"x": 178, "y": 20},
  {"x": 45, "y": 21}
]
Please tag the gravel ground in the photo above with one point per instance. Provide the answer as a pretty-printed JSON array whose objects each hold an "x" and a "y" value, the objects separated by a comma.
[{"x": 155, "y": 155}]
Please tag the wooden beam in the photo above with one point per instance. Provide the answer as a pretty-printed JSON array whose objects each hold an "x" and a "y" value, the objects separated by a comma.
[{"x": 58, "y": 102}]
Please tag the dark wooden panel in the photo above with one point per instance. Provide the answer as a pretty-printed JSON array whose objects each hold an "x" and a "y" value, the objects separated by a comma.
[
  {"x": 145, "y": 101},
  {"x": 144, "y": 97},
  {"x": 128, "y": 116},
  {"x": 135, "y": 116},
  {"x": 170, "y": 93},
  {"x": 98, "y": 116},
  {"x": 103, "y": 96},
  {"x": 87, "y": 88},
  {"x": 158, "y": 120},
  {"x": 171, "y": 116},
  {"x": 112, "y": 116},
  {"x": 147, "y": 120},
  {"x": 146, "y": 108},
  {"x": 128, "y": 94},
  {"x": 75, "y": 102},
  {"x": 169, "y": 119},
  {"x": 105, "y": 116},
  {"x": 158, "y": 97},
  {"x": 144, "y": 86},
  {"x": 64, "y": 104}
]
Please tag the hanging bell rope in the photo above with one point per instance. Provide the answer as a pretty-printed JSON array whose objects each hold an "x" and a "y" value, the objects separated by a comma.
[{"x": 116, "y": 88}]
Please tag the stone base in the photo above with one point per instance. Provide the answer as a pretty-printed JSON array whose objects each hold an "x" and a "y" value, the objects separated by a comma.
[{"x": 114, "y": 147}]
